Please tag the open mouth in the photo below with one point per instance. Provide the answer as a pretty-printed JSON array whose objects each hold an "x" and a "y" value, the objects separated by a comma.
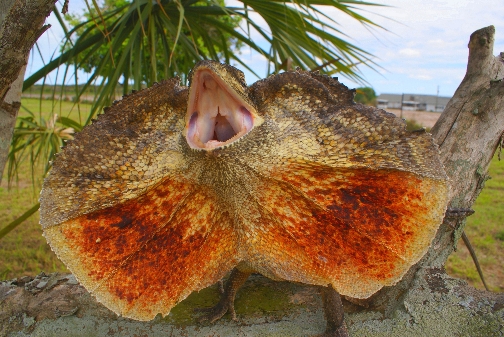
[{"x": 216, "y": 114}]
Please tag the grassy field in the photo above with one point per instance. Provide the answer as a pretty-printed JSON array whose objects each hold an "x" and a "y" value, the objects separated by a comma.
[
  {"x": 76, "y": 111},
  {"x": 485, "y": 229},
  {"x": 25, "y": 252},
  {"x": 66, "y": 93}
]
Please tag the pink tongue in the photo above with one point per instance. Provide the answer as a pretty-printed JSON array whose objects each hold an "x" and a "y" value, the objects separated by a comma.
[{"x": 223, "y": 129}]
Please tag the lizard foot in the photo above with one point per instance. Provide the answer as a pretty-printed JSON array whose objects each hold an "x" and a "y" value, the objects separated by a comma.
[
  {"x": 226, "y": 302},
  {"x": 216, "y": 312},
  {"x": 454, "y": 213}
]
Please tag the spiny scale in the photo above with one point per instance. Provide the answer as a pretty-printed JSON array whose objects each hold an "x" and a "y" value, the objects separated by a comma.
[{"x": 322, "y": 191}]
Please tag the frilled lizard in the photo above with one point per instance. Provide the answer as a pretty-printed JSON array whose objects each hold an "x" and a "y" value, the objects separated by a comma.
[{"x": 173, "y": 187}]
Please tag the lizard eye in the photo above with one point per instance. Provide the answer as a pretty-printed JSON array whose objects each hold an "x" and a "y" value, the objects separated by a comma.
[{"x": 217, "y": 114}]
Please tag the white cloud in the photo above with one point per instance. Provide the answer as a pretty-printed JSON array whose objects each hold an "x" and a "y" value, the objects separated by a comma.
[
  {"x": 427, "y": 41},
  {"x": 409, "y": 52},
  {"x": 423, "y": 77}
]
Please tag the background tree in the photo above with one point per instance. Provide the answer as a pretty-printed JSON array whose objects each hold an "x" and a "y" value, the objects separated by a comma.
[
  {"x": 21, "y": 23},
  {"x": 365, "y": 95},
  {"x": 156, "y": 58}
]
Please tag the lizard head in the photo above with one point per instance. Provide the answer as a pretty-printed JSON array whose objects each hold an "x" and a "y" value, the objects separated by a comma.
[{"x": 219, "y": 111}]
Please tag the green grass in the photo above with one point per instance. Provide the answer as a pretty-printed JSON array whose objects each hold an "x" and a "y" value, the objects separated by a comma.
[
  {"x": 47, "y": 108},
  {"x": 24, "y": 251},
  {"x": 67, "y": 91},
  {"x": 485, "y": 229}
]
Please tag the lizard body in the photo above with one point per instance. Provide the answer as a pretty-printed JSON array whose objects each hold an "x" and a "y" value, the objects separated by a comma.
[{"x": 173, "y": 187}]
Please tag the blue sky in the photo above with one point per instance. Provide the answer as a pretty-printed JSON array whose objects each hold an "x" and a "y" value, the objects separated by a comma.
[{"x": 424, "y": 47}]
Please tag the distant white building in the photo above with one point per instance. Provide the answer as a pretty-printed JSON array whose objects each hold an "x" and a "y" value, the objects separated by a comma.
[{"x": 412, "y": 102}]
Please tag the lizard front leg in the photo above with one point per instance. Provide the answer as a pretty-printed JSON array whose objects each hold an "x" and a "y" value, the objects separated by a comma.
[
  {"x": 333, "y": 312},
  {"x": 226, "y": 303}
]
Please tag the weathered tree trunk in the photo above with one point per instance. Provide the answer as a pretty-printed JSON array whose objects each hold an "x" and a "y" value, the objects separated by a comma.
[
  {"x": 21, "y": 24},
  {"x": 427, "y": 302}
]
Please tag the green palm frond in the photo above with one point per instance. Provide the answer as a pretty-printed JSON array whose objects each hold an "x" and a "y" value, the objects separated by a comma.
[
  {"x": 144, "y": 41},
  {"x": 36, "y": 140}
]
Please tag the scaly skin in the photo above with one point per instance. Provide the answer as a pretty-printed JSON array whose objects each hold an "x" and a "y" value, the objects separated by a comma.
[{"x": 316, "y": 189}]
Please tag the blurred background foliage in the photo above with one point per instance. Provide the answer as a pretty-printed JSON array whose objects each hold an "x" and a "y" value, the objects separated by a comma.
[{"x": 365, "y": 95}]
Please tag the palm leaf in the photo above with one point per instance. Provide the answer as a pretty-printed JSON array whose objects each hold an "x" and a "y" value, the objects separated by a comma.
[
  {"x": 7, "y": 229},
  {"x": 144, "y": 41},
  {"x": 296, "y": 30}
]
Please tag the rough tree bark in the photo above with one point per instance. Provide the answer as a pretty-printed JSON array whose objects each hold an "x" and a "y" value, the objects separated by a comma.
[
  {"x": 427, "y": 302},
  {"x": 21, "y": 24}
]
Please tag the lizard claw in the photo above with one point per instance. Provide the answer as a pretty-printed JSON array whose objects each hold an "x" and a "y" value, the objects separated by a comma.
[
  {"x": 216, "y": 312},
  {"x": 226, "y": 303}
]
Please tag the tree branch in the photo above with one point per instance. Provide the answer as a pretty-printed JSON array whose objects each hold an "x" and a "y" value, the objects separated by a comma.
[{"x": 21, "y": 24}]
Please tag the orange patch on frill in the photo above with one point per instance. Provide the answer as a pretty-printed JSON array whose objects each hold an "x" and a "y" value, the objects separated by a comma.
[
  {"x": 325, "y": 224},
  {"x": 154, "y": 249}
]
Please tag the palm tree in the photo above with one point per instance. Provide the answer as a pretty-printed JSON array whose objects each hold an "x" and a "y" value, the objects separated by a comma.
[{"x": 139, "y": 42}]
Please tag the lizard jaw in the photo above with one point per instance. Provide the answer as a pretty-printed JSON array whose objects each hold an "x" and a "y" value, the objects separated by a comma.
[{"x": 216, "y": 115}]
